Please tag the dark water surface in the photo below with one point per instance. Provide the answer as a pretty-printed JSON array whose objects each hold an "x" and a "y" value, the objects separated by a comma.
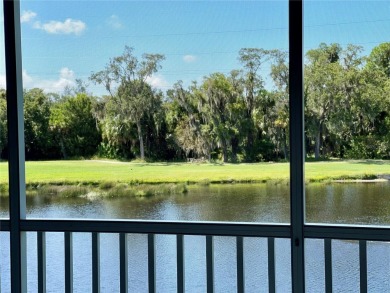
[{"x": 357, "y": 203}]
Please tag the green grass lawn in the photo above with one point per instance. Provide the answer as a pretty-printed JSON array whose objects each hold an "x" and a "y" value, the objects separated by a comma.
[{"x": 93, "y": 172}]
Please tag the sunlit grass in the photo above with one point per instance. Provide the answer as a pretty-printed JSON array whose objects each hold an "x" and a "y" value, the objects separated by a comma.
[{"x": 92, "y": 172}]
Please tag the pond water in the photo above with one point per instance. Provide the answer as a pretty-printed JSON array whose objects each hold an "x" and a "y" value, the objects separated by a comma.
[{"x": 352, "y": 203}]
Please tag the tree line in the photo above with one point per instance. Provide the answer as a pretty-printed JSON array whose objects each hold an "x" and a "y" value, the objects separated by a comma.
[{"x": 231, "y": 117}]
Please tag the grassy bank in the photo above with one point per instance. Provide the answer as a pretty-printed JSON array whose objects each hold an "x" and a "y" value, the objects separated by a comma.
[
  {"x": 105, "y": 189},
  {"x": 97, "y": 172}
]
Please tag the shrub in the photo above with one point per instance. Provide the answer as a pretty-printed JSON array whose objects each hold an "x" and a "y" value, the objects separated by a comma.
[
  {"x": 367, "y": 147},
  {"x": 4, "y": 189},
  {"x": 49, "y": 190},
  {"x": 73, "y": 191},
  {"x": 107, "y": 185},
  {"x": 204, "y": 182},
  {"x": 121, "y": 190}
]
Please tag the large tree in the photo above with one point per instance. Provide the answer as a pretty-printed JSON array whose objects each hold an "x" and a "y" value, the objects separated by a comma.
[
  {"x": 218, "y": 99},
  {"x": 252, "y": 60},
  {"x": 323, "y": 75},
  {"x": 191, "y": 131},
  {"x": 131, "y": 97},
  {"x": 280, "y": 120},
  {"x": 373, "y": 138}
]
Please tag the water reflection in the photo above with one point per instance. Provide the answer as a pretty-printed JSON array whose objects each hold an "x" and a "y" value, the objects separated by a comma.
[
  {"x": 339, "y": 203},
  {"x": 352, "y": 203}
]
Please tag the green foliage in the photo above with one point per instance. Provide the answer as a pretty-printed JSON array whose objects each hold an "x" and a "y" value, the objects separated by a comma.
[
  {"x": 134, "y": 100},
  {"x": 106, "y": 150},
  {"x": 4, "y": 189},
  {"x": 73, "y": 191},
  {"x": 225, "y": 117},
  {"x": 74, "y": 126},
  {"x": 368, "y": 147},
  {"x": 379, "y": 59},
  {"x": 37, "y": 135},
  {"x": 49, "y": 189},
  {"x": 204, "y": 182},
  {"x": 146, "y": 190},
  {"x": 252, "y": 93},
  {"x": 191, "y": 131},
  {"x": 121, "y": 190},
  {"x": 105, "y": 185}
]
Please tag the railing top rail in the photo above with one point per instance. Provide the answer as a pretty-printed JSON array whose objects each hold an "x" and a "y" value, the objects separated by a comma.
[
  {"x": 348, "y": 232},
  {"x": 159, "y": 227},
  {"x": 321, "y": 231},
  {"x": 4, "y": 225}
]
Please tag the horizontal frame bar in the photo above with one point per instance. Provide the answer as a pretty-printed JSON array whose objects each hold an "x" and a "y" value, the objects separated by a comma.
[
  {"x": 323, "y": 231},
  {"x": 347, "y": 232},
  {"x": 4, "y": 225},
  {"x": 318, "y": 231},
  {"x": 154, "y": 227}
]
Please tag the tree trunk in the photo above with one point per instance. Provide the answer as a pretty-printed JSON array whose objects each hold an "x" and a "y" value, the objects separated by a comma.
[
  {"x": 285, "y": 149},
  {"x": 317, "y": 146},
  {"x": 318, "y": 142},
  {"x": 250, "y": 152},
  {"x": 63, "y": 150},
  {"x": 224, "y": 151},
  {"x": 234, "y": 144},
  {"x": 141, "y": 140}
]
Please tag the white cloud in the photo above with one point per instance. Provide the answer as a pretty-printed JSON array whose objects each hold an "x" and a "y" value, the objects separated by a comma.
[
  {"x": 114, "y": 22},
  {"x": 69, "y": 26},
  {"x": 2, "y": 81},
  {"x": 27, "y": 79},
  {"x": 27, "y": 16},
  {"x": 65, "y": 79},
  {"x": 189, "y": 58},
  {"x": 157, "y": 81}
]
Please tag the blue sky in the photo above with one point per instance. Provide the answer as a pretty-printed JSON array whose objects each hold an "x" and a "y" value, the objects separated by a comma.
[{"x": 65, "y": 40}]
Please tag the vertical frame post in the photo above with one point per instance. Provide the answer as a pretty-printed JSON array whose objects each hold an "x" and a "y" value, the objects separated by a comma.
[
  {"x": 41, "y": 247},
  {"x": 68, "y": 239},
  {"x": 297, "y": 186},
  {"x": 328, "y": 266},
  {"x": 123, "y": 262},
  {"x": 17, "y": 202},
  {"x": 180, "y": 263},
  {"x": 152, "y": 263},
  {"x": 363, "y": 266},
  {"x": 271, "y": 265},
  {"x": 240, "y": 264},
  {"x": 210, "y": 263},
  {"x": 95, "y": 262}
]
